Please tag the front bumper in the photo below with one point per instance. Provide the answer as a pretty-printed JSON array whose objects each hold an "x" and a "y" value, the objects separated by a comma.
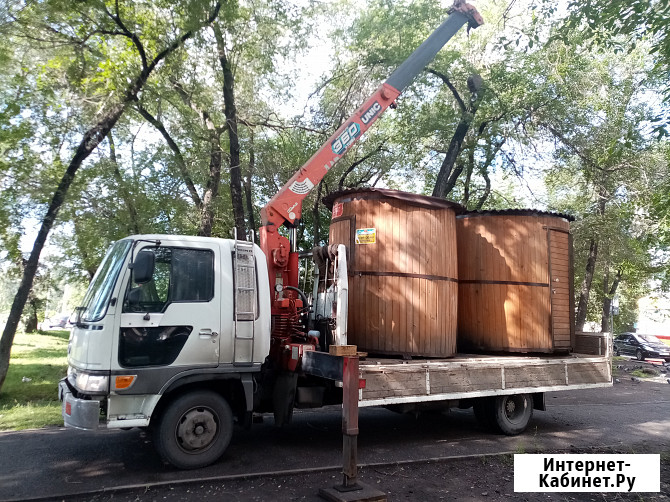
[{"x": 78, "y": 413}]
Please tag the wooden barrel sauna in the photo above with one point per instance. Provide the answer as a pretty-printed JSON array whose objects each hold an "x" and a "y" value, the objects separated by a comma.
[
  {"x": 515, "y": 290},
  {"x": 402, "y": 270}
]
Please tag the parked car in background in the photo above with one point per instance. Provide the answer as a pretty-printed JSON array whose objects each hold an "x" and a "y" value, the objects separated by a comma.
[
  {"x": 641, "y": 346},
  {"x": 57, "y": 321}
]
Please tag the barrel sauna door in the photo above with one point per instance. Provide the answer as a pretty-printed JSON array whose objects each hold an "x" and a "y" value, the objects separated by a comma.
[{"x": 561, "y": 289}]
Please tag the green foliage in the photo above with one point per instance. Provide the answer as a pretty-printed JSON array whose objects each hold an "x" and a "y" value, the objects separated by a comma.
[
  {"x": 67, "y": 62},
  {"x": 639, "y": 21},
  {"x": 607, "y": 164}
]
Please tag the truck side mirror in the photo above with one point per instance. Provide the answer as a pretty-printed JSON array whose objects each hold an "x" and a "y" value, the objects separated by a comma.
[{"x": 143, "y": 267}]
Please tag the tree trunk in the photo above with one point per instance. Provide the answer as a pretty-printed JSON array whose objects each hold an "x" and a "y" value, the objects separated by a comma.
[
  {"x": 468, "y": 176},
  {"x": 445, "y": 181},
  {"x": 213, "y": 183},
  {"x": 607, "y": 301},
  {"x": 447, "y": 177},
  {"x": 89, "y": 142},
  {"x": 451, "y": 182},
  {"x": 31, "y": 321},
  {"x": 248, "y": 192},
  {"x": 585, "y": 290},
  {"x": 231, "y": 123},
  {"x": 487, "y": 190}
]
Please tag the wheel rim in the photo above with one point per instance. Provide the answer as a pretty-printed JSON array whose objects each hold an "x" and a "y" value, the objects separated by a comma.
[
  {"x": 514, "y": 409},
  {"x": 638, "y": 354},
  {"x": 197, "y": 429}
]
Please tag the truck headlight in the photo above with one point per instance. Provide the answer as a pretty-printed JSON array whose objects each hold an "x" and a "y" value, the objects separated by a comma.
[{"x": 90, "y": 383}]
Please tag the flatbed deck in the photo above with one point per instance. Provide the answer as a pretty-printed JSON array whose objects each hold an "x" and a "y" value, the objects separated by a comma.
[{"x": 398, "y": 381}]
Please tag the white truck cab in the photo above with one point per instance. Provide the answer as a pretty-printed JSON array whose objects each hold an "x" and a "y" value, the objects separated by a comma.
[{"x": 162, "y": 314}]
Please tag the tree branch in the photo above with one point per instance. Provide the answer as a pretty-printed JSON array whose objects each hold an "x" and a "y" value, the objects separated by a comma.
[
  {"x": 356, "y": 163},
  {"x": 126, "y": 32},
  {"x": 123, "y": 188},
  {"x": 177, "y": 43},
  {"x": 279, "y": 127},
  {"x": 181, "y": 164},
  {"x": 204, "y": 115},
  {"x": 451, "y": 87}
]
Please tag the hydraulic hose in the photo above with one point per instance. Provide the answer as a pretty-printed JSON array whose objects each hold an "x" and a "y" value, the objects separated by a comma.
[{"x": 299, "y": 291}]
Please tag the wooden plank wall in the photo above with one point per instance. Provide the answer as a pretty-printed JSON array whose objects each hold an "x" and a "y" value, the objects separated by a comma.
[
  {"x": 461, "y": 377},
  {"x": 505, "y": 301},
  {"x": 592, "y": 343},
  {"x": 402, "y": 290}
]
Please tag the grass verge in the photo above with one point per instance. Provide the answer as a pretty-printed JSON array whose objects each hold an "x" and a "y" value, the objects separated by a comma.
[
  {"x": 29, "y": 396},
  {"x": 644, "y": 373}
]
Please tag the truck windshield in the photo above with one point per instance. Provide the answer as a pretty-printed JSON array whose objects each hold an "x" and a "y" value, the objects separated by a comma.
[{"x": 100, "y": 290}]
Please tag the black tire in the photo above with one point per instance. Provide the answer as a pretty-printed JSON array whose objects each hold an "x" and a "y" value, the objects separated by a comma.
[
  {"x": 512, "y": 413},
  {"x": 616, "y": 351},
  {"x": 638, "y": 355},
  {"x": 194, "y": 430}
]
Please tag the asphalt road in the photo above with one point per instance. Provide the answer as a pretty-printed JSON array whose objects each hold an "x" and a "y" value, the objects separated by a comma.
[{"x": 60, "y": 463}]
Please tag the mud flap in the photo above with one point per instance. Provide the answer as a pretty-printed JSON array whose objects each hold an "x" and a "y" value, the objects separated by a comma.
[{"x": 248, "y": 386}]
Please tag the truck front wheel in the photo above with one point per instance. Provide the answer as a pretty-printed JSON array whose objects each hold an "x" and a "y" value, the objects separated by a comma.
[
  {"x": 512, "y": 413},
  {"x": 194, "y": 430}
]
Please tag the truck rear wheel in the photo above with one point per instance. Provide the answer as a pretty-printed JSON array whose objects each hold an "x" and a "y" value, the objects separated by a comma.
[
  {"x": 194, "y": 430},
  {"x": 512, "y": 413}
]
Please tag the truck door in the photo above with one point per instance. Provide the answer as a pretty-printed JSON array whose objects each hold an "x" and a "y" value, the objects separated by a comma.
[{"x": 173, "y": 319}]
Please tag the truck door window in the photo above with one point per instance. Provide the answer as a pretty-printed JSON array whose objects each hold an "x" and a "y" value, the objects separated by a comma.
[
  {"x": 180, "y": 275},
  {"x": 192, "y": 275}
]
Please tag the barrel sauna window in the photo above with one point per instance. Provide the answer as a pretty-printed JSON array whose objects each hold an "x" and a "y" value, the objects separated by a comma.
[
  {"x": 403, "y": 271},
  {"x": 515, "y": 282}
]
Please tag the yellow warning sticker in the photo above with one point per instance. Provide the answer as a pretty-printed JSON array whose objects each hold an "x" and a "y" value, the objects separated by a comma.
[{"x": 366, "y": 235}]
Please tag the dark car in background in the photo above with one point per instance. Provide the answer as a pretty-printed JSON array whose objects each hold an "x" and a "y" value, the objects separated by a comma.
[{"x": 641, "y": 346}]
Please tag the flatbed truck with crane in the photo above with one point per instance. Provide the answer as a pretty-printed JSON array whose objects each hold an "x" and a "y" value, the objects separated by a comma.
[{"x": 188, "y": 335}]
